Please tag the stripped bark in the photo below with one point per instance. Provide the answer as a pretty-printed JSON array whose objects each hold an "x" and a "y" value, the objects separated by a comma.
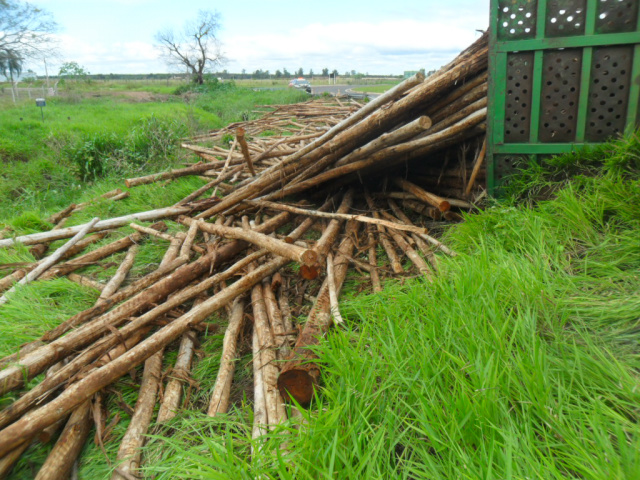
[
  {"x": 219, "y": 402},
  {"x": 293, "y": 252},
  {"x": 129, "y": 453},
  {"x": 120, "y": 275},
  {"x": 179, "y": 374},
  {"x": 60, "y": 460},
  {"x": 373, "y": 260}
]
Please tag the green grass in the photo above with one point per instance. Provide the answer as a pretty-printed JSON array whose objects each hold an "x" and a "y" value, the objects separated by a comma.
[{"x": 375, "y": 88}]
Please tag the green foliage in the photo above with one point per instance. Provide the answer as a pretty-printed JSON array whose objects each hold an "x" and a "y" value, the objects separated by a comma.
[
  {"x": 211, "y": 85},
  {"x": 73, "y": 71},
  {"x": 101, "y": 153}
]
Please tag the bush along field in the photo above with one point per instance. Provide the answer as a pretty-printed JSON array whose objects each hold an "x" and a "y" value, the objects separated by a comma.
[{"x": 519, "y": 361}]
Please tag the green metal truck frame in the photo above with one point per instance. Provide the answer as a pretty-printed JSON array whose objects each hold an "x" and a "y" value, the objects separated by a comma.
[{"x": 562, "y": 74}]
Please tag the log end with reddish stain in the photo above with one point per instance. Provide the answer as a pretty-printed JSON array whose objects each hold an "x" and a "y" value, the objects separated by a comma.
[
  {"x": 297, "y": 384},
  {"x": 444, "y": 206},
  {"x": 309, "y": 272}
]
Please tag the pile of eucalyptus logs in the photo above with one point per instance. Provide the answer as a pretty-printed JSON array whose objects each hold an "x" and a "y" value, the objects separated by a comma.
[{"x": 326, "y": 191}]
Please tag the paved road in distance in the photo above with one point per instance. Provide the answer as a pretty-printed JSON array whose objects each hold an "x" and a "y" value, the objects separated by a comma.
[{"x": 335, "y": 89}]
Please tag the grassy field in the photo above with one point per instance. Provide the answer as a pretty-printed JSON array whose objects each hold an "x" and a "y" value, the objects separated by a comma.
[
  {"x": 519, "y": 361},
  {"x": 45, "y": 163},
  {"x": 376, "y": 88}
]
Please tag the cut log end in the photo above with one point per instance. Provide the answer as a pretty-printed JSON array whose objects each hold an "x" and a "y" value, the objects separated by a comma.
[
  {"x": 444, "y": 206},
  {"x": 309, "y": 257},
  {"x": 309, "y": 272},
  {"x": 297, "y": 384}
]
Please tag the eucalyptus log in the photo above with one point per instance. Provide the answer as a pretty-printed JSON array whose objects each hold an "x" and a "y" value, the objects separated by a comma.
[
  {"x": 170, "y": 175},
  {"x": 275, "y": 319},
  {"x": 333, "y": 295},
  {"x": 129, "y": 453},
  {"x": 300, "y": 373},
  {"x": 98, "y": 254},
  {"x": 219, "y": 402},
  {"x": 116, "y": 344},
  {"x": 119, "y": 296},
  {"x": 50, "y": 260},
  {"x": 394, "y": 259},
  {"x": 86, "y": 282},
  {"x": 60, "y": 460},
  {"x": 260, "y": 419},
  {"x": 342, "y": 137},
  {"x": 400, "y": 135},
  {"x": 427, "y": 197},
  {"x": 336, "y": 216},
  {"x": 415, "y": 258},
  {"x": 179, "y": 374},
  {"x": 213, "y": 183},
  {"x": 107, "y": 224},
  {"x": 476, "y": 167},
  {"x": 121, "y": 274},
  {"x": 38, "y": 419},
  {"x": 245, "y": 150},
  {"x": 293, "y": 252},
  {"x": 267, "y": 355},
  {"x": 373, "y": 260}
]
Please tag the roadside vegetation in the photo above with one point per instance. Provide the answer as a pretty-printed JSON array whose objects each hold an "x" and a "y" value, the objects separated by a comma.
[{"x": 519, "y": 361}]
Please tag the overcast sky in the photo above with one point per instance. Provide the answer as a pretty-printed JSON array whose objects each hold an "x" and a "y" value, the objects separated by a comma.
[{"x": 386, "y": 37}]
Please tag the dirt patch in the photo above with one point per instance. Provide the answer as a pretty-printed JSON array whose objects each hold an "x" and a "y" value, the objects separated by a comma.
[{"x": 133, "y": 96}]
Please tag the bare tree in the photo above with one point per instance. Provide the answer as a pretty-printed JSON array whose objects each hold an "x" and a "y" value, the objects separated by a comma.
[
  {"x": 25, "y": 34},
  {"x": 197, "y": 48}
]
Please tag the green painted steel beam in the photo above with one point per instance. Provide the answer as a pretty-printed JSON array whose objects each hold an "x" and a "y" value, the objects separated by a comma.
[
  {"x": 634, "y": 90},
  {"x": 538, "y": 148},
  {"x": 601, "y": 40},
  {"x": 498, "y": 76}
]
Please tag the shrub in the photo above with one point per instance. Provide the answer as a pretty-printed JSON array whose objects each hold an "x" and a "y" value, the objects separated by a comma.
[{"x": 151, "y": 139}]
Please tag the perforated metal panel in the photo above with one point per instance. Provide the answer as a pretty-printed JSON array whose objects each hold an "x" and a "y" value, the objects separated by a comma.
[
  {"x": 517, "y": 19},
  {"x": 517, "y": 119},
  {"x": 565, "y": 18},
  {"x": 609, "y": 92},
  {"x": 560, "y": 93},
  {"x": 562, "y": 73},
  {"x": 616, "y": 16}
]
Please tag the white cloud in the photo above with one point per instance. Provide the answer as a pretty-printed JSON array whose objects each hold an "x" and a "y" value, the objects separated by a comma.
[
  {"x": 383, "y": 47},
  {"x": 377, "y": 48}
]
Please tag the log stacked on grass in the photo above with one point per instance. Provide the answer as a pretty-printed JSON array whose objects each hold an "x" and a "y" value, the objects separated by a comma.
[{"x": 339, "y": 165}]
